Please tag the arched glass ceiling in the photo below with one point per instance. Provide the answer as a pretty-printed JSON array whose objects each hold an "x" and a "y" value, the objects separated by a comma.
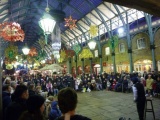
[
  {"x": 87, "y": 12},
  {"x": 111, "y": 16}
]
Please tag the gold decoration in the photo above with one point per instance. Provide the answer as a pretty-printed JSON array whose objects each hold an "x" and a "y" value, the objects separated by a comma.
[
  {"x": 93, "y": 30},
  {"x": 9, "y": 66},
  {"x": 86, "y": 53},
  {"x": 62, "y": 55}
]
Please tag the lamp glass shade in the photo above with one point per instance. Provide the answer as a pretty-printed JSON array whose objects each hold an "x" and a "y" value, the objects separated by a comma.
[
  {"x": 25, "y": 50},
  {"x": 47, "y": 23},
  {"x": 92, "y": 45}
]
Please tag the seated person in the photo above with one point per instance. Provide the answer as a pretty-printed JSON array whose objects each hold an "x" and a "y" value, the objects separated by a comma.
[
  {"x": 67, "y": 101},
  {"x": 55, "y": 112}
]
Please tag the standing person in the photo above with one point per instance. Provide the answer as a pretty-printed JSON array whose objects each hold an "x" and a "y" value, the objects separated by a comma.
[
  {"x": 149, "y": 83},
  {"x": 35, "y": 108},
  {"x": 18, "y": 106},
  {"x": 139, "y": 97},
  {"x": 67, "y": 101},
  {"x": 6, "y": 96}
]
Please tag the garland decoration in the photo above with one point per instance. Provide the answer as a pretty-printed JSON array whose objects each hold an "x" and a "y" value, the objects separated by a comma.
[
  {"x": 11, "y": 52},
  {"x": 11, "y": 31}
]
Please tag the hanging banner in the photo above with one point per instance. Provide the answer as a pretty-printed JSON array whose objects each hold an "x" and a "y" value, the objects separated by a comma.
[{"x": 76, "y": 48}]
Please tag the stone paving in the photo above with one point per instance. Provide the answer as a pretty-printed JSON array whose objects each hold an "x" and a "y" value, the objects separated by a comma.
[{"x": 107, "y": 105}]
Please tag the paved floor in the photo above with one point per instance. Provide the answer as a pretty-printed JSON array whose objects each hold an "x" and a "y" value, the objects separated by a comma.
[{"x": 107, "y": 105}]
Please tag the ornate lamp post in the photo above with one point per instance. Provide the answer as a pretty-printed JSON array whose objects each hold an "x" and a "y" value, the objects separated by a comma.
[{"x": 47, "y": 23}]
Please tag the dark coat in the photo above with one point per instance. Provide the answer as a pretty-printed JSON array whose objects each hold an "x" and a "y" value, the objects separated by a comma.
[
  {"x": 6, "y": 100},
  {"x": 140, "y": 92},
  {"x": 75, "y": 117},
  {"x": 15, "y": 109},
  {"x": 55, "y": 112},
  {"x": 31, "y": 92}
]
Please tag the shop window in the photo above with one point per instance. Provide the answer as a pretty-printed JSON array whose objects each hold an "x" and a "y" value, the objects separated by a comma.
[
  {"x": 107, "y": 50},
  {"x": 121, "y": 48},
  {"x": 141, "y": 43}
]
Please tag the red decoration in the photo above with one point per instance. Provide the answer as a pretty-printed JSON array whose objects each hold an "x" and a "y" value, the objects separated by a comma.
[
  {"x": 69, "y": 53},
  {"x": 104, "y": 64},
  {"x": 33, "y": 52},
  {"x": 71, "y": 23},
  {"x": 11, "y": 31}
]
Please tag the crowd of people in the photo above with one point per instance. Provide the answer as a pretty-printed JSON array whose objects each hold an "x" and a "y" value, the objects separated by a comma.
[{"x": 24, "y": 97}]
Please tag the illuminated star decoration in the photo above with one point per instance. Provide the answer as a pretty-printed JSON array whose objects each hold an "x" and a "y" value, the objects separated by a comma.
[
  {"x": 71, "y": 23},
  {"x": 93, "y": 30},
  {"x": 33, "y": 52}
]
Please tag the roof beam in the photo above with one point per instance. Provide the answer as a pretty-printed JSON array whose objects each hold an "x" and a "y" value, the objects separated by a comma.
[{"x": 148, "y": 6}]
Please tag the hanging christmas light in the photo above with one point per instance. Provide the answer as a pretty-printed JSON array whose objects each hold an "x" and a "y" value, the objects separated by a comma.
[
  {"x": 11, "y": 31},
  {"x": 93, "y": 30},
  {"x": 70, "y": 22}
]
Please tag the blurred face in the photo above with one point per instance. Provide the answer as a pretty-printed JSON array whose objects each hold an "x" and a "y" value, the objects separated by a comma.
[
  {"x": 42, "y": 108},
  {"x": 25, "y": 95},
  {"x": 9, "y": 89}
]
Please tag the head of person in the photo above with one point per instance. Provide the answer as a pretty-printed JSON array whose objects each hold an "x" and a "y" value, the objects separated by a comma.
[
  {"x": 7, "y": 80},
  {"x": 7, "y": 88},
  {"x": 135, "y": 80},
  {"x": 13, "y": 84},
  {"x": 31, "y": 87},
  {"x": 35, "y": 104},
  {"x": 149, "y": 76},
  {"x": 21, "y": 91},
  {"x": 67, "y": 100}
]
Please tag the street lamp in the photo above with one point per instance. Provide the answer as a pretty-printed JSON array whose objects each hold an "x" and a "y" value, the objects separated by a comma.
[
  {"x": 47, "y": 23},
  {"x": 25, "y": 50},
  {"x": 92, "y": 45}
]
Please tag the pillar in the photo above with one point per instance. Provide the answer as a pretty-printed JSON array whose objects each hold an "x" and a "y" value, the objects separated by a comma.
[
  {"x": 91, "y": 69},
  {"x": 101, "y": 63},
  {"x": 152, "y": 46},
  {"x": 82, "y": 64},
  {"x": 1, "y": 115},
  {"x": 76, "y": 65},
  {"x": 130, "y": 60},
  {"x": 114, "y": 62},
  {"x": 129, "y": 45},
  {"x": 69, "y": 65}
]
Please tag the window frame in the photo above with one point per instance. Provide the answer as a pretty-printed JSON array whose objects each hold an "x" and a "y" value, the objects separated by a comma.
[
  {"x": 139, "y": 44},
  {"x": 120, "y": 50}
]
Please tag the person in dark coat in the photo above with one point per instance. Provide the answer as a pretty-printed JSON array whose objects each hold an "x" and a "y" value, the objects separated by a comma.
[
  {"x": 18, "y": 106},
  {"x": 139, "y": 97},
  {"x": 55, "y": 112},
  {"x": 31, "y": 90},
  {"x": 67, "y": 101},
  {"x": 35, "y": 108},
  {"x": 6, "y": 96}
]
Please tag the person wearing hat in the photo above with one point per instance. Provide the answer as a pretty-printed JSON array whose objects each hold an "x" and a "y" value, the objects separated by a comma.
[
  {"x": 35, "y": 108},
  {"x": 139, "y": 97}
]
